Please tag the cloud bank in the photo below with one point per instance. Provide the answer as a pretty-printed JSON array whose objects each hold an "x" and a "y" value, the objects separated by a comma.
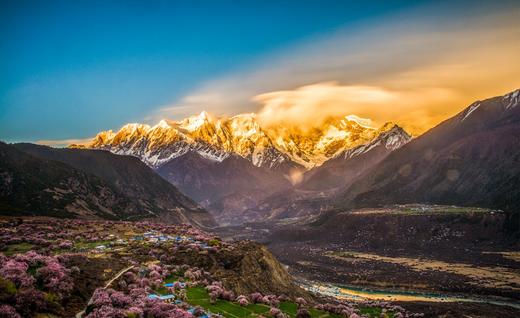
[
  {"x": 415, "y": 72},
  {"x": 60, "y": 143}
]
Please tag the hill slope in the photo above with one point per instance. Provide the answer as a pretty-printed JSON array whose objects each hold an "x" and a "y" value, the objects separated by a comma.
[
  {"x": 321, "y": 184},
  {"x": 136, "y": 191},
  {"x": 226, "y": 187},
  {"x": 471, "y": 159},
  {"x": 346, "y": 166}
]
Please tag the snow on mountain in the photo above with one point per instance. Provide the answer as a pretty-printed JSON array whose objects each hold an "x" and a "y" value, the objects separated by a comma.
[
  {"x": 212, "y": 138},
  {"x": 471, "y": 109},
  {"x": 506, "y": 103},
  {"x": 314, "y": 146},
  {"x": 512, "y": 99},
  {"x": 216, "y": 138},
  {"x": 390, "y": 135}
]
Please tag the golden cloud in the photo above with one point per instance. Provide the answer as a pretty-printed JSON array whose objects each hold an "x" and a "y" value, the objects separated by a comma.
[
  {"x": 409, "y": 70},
  {"x": 309, "y": 106}
]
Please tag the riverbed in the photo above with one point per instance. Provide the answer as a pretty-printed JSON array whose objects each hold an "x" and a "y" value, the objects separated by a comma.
[{"x": 354, "y": 293}]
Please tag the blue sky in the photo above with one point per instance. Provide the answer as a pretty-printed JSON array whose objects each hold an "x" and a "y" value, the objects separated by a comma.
[{"x": 73, "y": 68}]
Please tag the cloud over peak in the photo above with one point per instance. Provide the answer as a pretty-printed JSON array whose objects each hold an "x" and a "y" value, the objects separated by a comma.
[{"x": 413, "y": 71}]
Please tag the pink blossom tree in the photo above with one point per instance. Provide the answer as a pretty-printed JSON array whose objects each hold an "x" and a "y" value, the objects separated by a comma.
[{"x": 7, "y": 311}]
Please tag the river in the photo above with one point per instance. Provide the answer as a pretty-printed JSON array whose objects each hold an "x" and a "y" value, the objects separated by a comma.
[{"x": 362, "y": 293}]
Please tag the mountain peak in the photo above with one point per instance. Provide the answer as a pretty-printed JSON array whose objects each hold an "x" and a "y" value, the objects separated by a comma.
[
  {"x": 243, "y": 135},
  {"x": 512, "y": 99},
  {"x": 195, "y": 122},
  {"x": 203, "y": 115},
  {"x": 395, "y": 137},
  {"x": 366, "y": 123},
  {"x": 162, "y": 124},
  {"x": 390, "y": 135}
]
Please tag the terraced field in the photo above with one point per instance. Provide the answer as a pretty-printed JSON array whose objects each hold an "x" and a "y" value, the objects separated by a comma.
[{"x": 198, "y": 296}]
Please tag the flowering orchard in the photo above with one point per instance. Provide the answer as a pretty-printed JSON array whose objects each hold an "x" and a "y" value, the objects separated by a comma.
[{"x": 98, "y": 269}]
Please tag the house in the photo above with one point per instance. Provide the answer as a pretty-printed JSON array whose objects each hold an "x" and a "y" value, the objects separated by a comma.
[
  {"x": 166, "y": 298},
  {"x": 150, "y": 234},
  {"x": 192, "y": 310},
  {"x": 183, "y": 285},
  {"x": 121, "y": 242}
]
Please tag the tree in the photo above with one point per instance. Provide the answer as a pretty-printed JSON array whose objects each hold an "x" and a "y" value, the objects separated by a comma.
[
  {"x": 275, "y": 312},
  {"x": 55, "y": 278},
  {"x": 16, "y": 272},
  {"x": 101, "y": 298},
  {"x": 242, "y": 300},
  {"x": 300, "y": 302},
  {"x": 256, "y": 297},
  {"x": 7, "y": 311},
  {"x": 303, "y": 313},
  {"x": 119, "y": 299},
  {"x": 29, "y": 301}
]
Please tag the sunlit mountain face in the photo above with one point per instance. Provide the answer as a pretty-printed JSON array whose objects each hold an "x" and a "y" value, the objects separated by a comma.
[{"x": 278, "y": 147}]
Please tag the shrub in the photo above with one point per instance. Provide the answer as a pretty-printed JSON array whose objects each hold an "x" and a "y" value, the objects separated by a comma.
[
  {"x": 7, "y": 311},
  {"x": 303, "y": 313},
  {"x": 16, "y": 272}
]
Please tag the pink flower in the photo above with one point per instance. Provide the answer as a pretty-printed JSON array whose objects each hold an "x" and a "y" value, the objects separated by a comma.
[
  {"x": 119, "y": 299},
  {"x": 275, "y": 312},
  {"x": 17, "y": 273},
  {"x": 7, "y": 311},
  {"x": 300, "y": 301},
  {"x": 243, "y": 302},
  {"x": 101, "y": 298}
]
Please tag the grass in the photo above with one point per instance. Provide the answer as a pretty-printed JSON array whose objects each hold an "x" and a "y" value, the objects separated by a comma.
[
  {"x": 374, "y": 312},
  {"x": 89, "y": 245},
  {"x": 18, "y": 248},
  {"x": 198, "y": 296},
  {"x": 164, "y": 290}
]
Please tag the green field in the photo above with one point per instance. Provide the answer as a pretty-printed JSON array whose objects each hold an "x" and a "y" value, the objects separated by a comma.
[
  {"x": 374, "y": 312},
  {"x": 89, "y": 245},
  {"x": 17, "y": 248},
  {"x": 164, "y": 290},
  {"x": 198, "y": 296}
]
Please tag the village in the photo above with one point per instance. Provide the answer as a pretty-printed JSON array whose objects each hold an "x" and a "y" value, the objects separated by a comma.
[{"x": 101, "y": 269}]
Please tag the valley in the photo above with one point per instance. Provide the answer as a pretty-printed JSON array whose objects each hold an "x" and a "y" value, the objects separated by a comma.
[
  {"x": 259, "y": 159},
  {"x": 213, "y": 217},
  {"x": 122, "y": 269},
  {"x": 441, "y": 256}
]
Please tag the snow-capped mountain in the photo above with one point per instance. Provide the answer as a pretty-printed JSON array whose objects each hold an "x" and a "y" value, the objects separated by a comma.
[
  {"x": 280, "y": 148},
  {"x": 345, "y": 166},
  {"x": 312, "y": 147},
  {"x": 470, "y": 159},
  {"x": 321, "y": 183},
  {"x": 390, "y": 136},
  {"x": 213, "y": 139}
]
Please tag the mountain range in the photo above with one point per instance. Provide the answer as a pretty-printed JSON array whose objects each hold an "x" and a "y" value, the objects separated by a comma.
[
  {"x": 240, "y": 171},
  {"x": 471, "y": 159},
  {"x": 229, "y": 165},
  {"x": 281, "y": 148},
  {"x": 39, "y": 180}
]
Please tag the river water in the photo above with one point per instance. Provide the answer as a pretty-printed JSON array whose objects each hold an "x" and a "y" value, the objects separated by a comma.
[{"x": 360, "y": 293}]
